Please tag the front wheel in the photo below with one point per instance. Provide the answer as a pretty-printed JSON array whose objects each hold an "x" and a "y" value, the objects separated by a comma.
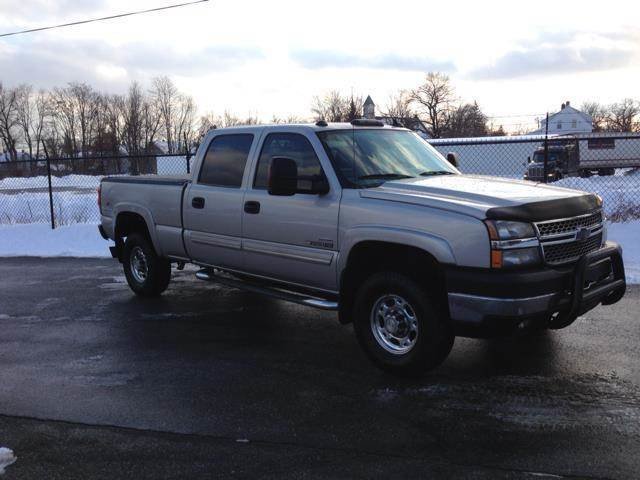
[
  {"x": 147, "y": 274},
  {"x": 399, "y": 327}
]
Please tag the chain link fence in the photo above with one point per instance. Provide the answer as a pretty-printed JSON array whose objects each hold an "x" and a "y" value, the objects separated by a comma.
[
  {"x": 62, "y": 191},
  {"x": 603, "y": 163}
]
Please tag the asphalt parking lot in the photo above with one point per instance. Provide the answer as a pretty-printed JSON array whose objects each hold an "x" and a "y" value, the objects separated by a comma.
[{"x": 211, "y": 382}]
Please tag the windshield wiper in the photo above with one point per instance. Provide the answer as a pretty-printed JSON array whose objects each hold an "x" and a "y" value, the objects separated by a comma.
[
  {"x": 436, "y": 172},
  {"x": 383, "y": 176}
]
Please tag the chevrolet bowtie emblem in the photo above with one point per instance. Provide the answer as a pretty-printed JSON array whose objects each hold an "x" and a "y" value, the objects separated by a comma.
[{"x": 582, "y": 234}]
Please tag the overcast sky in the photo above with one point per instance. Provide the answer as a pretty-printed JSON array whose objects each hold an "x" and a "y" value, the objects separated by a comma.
[{"x": 265, "y": 58}]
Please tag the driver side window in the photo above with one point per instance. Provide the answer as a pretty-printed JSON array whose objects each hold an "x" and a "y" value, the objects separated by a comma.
[{"x": 291, "y": 145}]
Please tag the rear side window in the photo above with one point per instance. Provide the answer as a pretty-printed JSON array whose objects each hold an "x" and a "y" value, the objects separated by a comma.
[
  {"x": 294, "y": 146},
  {"x": 224, "y": 162}
]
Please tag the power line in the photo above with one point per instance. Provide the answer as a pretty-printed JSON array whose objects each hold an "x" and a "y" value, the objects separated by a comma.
[{"x": 111, "y": 17}]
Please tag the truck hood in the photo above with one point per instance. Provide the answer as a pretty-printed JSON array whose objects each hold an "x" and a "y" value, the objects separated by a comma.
[{"x": 483, "y": 197}]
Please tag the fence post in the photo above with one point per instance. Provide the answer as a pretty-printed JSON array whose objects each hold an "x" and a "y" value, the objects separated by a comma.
[
  {"x": 188, "y": 153},
  {"x": 546, "y": 148},
  {"x": 46, "y": 155}
]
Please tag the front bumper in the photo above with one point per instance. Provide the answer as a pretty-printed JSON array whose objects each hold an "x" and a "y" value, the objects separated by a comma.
[{"x": 489, "y": 303}]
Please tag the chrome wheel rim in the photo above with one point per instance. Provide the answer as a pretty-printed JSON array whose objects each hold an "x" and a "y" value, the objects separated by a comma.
[
  {"x": 139, "y": 267},
  {"x": 394, "y": 324}
]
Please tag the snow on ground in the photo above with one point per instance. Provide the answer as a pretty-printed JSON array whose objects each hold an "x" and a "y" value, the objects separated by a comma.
[
  {"x": 620, "y": 192},
  {"x": 84, "y": 181},
  {"x": 39, "y": 240},
  {"x": 6, "y": 458},
  {"x": 628, "y": 235},
  {"x": 83, "y": 240},
  {"x": 33, "y": 207}
]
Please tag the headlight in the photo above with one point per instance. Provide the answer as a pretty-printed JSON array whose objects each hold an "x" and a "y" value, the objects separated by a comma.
[
  {"x": 513, "y": 244},
  {"x": 506, "y": 230}
]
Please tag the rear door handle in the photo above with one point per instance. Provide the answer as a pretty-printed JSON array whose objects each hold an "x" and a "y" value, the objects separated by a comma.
[
  {"x": 252, "y": 207},
  {"x": 197, "y": 202}
]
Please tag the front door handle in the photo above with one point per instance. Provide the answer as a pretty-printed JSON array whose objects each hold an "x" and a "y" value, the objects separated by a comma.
[
  {"x": 252, "y": 207},
  {"x": 197, "y": 202}
]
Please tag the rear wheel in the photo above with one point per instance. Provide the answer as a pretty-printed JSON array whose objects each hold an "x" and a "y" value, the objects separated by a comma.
[
  {"x": 147, "y": 274},
  {"x": 399, "y": 327}
]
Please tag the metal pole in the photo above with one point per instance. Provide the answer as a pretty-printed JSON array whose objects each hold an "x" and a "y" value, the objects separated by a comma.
[
  {"x": 546, "y": 147},
  {"x": 53, "y": 220},
  {"x": 188, "y": 153}
]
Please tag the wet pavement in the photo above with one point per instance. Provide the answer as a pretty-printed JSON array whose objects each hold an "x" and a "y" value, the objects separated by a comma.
[{"x": 212, "y": 382}]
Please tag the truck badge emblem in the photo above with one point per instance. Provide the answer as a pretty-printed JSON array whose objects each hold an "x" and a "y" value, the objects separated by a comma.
[{"x": 582, "y": 234}]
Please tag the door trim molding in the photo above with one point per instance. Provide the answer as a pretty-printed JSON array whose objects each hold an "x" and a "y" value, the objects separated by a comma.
[
  {"x": 215, "y": 240},
  {"x": 293, "y": 252}
]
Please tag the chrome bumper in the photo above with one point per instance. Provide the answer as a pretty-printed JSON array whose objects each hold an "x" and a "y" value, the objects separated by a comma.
[{"x": 473, "y": 308}]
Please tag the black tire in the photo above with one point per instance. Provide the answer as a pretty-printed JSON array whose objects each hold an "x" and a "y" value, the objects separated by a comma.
[
  {"x": 158, "y": 269},
  {"x": 434, "y": 338}
]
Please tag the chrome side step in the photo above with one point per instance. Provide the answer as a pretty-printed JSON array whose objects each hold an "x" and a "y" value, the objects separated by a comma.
[{"x": 271, "y": 291}]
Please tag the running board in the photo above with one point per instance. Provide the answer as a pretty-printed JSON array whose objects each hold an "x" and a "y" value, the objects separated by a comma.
[{"x": 275, "y": 292}]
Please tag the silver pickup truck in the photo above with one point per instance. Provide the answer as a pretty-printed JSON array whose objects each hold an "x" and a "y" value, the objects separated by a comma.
[{"x": 372, "y": 222}]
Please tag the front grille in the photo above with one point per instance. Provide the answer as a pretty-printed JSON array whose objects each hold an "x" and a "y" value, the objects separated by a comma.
[
  {"x": 570, "y": 251},
  {"x": 536, "y": 172},
  {"x": 570, "y": 225},
  {"x": 565, "y": 241}
]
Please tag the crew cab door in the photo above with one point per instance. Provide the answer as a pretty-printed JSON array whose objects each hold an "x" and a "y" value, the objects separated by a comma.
[
  {"x": 291, "y": 238},
  {"x": 213, "y": 202}
]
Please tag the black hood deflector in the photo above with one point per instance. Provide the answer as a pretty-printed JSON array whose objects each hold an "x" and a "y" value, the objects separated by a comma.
[{"x": 547, "y": 209}]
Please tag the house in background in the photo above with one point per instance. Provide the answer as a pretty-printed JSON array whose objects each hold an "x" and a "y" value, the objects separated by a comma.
[
  {"x": 412, "y": 123},
  {"x": 567, "y": 120}
]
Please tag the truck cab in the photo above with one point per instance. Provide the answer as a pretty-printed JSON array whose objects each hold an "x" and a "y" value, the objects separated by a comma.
[{"x": 562, "y": 161}]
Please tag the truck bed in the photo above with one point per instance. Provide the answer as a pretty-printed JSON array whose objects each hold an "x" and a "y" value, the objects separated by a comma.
[{"x": 157, "y": 198}]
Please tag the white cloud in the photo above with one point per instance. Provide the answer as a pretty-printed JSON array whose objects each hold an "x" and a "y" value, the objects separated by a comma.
[{"x": 267, "y": 58}]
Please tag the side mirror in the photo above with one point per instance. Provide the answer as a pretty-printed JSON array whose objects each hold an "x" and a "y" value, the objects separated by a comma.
[
  {"x": 283, "y": 176},
  {"x": 528, "y": 159},
  {"x": 452, "y": 158},
  {"x": 318, "y": 185}
]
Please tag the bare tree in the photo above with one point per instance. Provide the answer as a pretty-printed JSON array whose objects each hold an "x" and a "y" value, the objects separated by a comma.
[
  {"x": 623, "y": 116},
  {"x": 86, "y": 102},
  {"x": 399, "y": 106},
  {"x": 332, "y": 107},
  {"x": 25, "y": 114},
  {"x": 598, "y": 114},
  {"x": 434, "y": 98},
  {"x": 133, "y": 120},
  {"x": 66, "y": 119},
  {"x": 288, "y": 119},
  {"x": 183, "y": 122},
  {"x": 9, "y": 120},
  {"x": 165, "y": 94}
]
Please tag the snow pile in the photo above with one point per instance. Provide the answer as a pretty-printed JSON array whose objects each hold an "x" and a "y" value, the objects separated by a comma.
[
  {"x": 33, "y": 207},
  {"x": 39, "y": 240},
  {"x": 621, "y": 193},
  {"x": 628, "y": 236},
  {"x": 6, "y": 458},
  {"x": 83, "y": 181}
]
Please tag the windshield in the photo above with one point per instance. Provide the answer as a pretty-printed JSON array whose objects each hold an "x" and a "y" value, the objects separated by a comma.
[
  {"x": 367, "y": 157},
  {"x": 538, "y": 157}
]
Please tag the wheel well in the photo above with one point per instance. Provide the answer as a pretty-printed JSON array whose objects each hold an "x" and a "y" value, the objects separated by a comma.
[
  {"x": 369, "y": 257},
  {"x": 126, "y": 224}
]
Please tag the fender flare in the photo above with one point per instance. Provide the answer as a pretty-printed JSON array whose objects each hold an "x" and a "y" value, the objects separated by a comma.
[
  {"x": 434, "y": 245},
  {"x": 146, "y": 215}
]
